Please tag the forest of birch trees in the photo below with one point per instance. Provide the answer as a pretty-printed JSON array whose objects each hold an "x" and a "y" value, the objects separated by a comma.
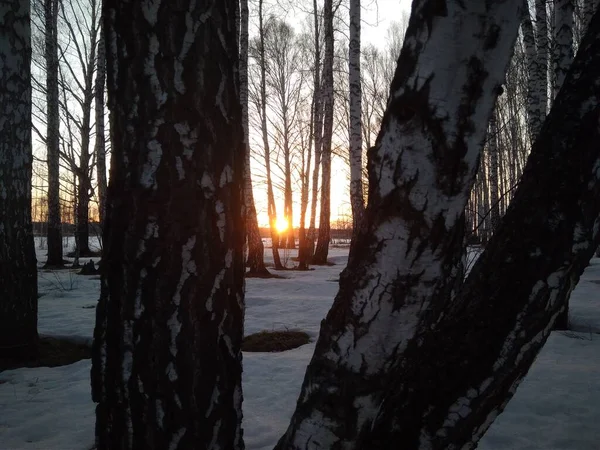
[{"x": 473, "y": 123}]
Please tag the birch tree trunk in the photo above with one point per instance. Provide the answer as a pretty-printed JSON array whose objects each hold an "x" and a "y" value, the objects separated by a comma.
[
  {"x": 256, "y": 257},
  {"x": 322, "y": 249},
  {"x": 54, "y": 236},
  {"x": 420, "y": 175},
  {"x": 355, "y": 132},
  {"x": 318, "y": 132},
  {"x": 166, "y": 366},
  {"x": 563, "y": 41},
  {"x": 534, "y": 117},
  {"x": 100, "y": 148},
  {"x": 18, "y": 272}
]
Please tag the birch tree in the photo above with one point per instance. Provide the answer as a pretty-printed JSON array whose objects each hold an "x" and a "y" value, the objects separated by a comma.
[
  {"x": 18, "y": 272},
  {"x": 317, "y": 106},
  {"x": 166, "y": 365},
  {"x": 355, "y": 132}
]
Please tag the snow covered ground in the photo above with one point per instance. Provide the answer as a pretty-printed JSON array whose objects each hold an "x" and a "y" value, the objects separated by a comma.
[{"x": 556, "y": 407}]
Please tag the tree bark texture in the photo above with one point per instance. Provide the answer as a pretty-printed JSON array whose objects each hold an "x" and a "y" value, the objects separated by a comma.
[
  {"x": 166, "y": 366},
  {"x": 420, "y": 175},
  {"x": 322, "y": 249},
  {"x": 54, "y": 236},
  {"x": 18, "y": 272}
]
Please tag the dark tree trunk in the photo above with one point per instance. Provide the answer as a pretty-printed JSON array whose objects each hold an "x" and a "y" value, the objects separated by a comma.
[
  {"x": 322, "y": 249},
  {"x": 54, "y": 236},
  {"x": 256, "y": 256},
  {"x": 100, "y": 148},
  {"x": 18, "y": 272},
  {"x": 166, "y": 366}
]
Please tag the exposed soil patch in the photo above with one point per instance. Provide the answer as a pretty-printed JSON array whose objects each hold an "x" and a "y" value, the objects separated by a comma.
[{"x": 274, "y": 341}]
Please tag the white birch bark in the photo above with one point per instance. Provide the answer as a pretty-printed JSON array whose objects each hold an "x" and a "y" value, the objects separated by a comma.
[{"x": 355, "y": 132}]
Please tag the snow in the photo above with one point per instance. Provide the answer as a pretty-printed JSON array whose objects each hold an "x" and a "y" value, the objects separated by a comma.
[{"x": 555, "y": 408}]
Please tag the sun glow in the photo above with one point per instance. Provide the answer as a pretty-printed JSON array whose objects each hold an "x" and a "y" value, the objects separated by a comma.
[{"x": 281, "y": 225}]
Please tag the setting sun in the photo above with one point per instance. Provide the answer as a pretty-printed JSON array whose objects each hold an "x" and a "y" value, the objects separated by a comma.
[{"x": 281, "y": 225}]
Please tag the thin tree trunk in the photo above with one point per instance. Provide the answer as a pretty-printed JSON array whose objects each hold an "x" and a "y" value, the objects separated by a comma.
[
  {"x": 100, "y": 149},
  {"x": 354, "y": 83},
  {"x": 166, "y": 366},
  {"x": 256, "y": 257},
  {"x": 272, "y": 211},
  {"x": 534, "y": 117},
  {"x": 303, "y": 248},
  {"x": 318, "y": 132},
  {"x": 322, "y": 249},
  {"x": 54, "y": 236},
  {"x": 413, "y": 238},
  {"x": 18, "y": 272},
  {"x": 493, "y": 173}
]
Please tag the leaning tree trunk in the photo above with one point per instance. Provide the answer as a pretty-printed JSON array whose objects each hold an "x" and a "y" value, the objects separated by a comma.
[
  {"x": 256, "y": 257},
  {"x": 100, "y": 147},
  {"x": 54, "y": 236},
  {"x": 166, "y": 366},
  {"x": 472, "y": 356},
  {"x": 355, "y": 132},
  {"x": 420, "y": 176},
  {"x": 18, "y": 273},
  {"x": 322, "y": 249}
]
